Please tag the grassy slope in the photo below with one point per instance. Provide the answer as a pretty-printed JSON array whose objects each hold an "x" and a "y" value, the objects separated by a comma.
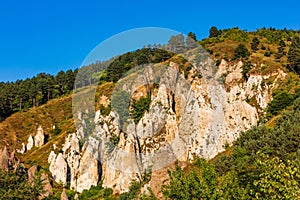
[{"x": 17, "y": 128}]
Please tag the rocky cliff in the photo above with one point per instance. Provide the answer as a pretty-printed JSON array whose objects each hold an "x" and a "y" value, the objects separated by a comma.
[{"x": 192, "y": 113}]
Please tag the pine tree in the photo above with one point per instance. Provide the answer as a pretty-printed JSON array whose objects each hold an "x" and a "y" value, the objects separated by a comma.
[
  {"x": 254, "y": 44},
  {"x": 192, "y": 36},
  {"x": 214, "y": 32},
  {"x": 191, "y": 40},
  {"x": 294, "y": 55},
  {"x": 241, "y": 52},
  {"x": 281, "y": 51}
]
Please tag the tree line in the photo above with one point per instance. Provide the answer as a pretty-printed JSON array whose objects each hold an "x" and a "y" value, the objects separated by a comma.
[{"x": 24, "y": 94}]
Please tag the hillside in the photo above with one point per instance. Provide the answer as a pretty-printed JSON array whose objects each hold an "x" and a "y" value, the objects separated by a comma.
[{"x": 239, "y": 112}]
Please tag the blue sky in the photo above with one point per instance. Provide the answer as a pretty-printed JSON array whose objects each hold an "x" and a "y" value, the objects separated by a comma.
[{"x": 48, "y": 36}]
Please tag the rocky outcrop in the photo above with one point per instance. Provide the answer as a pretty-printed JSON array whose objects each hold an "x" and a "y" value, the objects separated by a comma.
[
  {"x": 58, "y": 168},
  {"x": 22, "y": 150},
  {"x": 30, "y": 143},
  {"x": 39, "y": 138},
  {"x": 46, "y": 186},
  {"x": 4, "y": 158},
  {"x": 32, "y": 173},
  {"x": 88, "y": 172},
  {"x": 64, "y": 195},
  {"x": 190, "y": 115},
  {"x": 8, "y": 161}
]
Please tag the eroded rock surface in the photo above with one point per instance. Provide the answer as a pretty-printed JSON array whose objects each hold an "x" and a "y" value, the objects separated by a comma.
[{"x": 192, "y": 116}]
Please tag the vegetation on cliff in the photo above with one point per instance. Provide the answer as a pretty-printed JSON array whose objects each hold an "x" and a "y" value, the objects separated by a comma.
[{"x": 262, "y": 164}]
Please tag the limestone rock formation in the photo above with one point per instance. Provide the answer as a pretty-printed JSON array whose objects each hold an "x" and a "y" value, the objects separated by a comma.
[
  {"x": 58, "y": 168},
  {"x": 30, "y": 143},
  {"x": 31, "y": 173},
  {"x": 88, "y": 172},
  {"x": 64, "y": 195},
  {"x": 46, "y": 185},
  {"x": 39, "y": 138},
  {"x": 23, "y": 149},
  {"x": 4, "y": 158},
  {"x": 189, "y": 116}
]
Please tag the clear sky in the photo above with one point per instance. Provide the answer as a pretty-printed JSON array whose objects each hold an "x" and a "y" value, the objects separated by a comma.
[{"x": 48, "y": 36}]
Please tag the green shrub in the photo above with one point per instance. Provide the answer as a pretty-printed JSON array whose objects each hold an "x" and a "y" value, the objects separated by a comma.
[
  {"x": 56, "y": 131},
  {"x": 97, "y": 192},
  {"x": 133, "y": 191},
  {"x": 280, "y": 101},
  {"x": 105, "y": 110},
  {"x": 247, "y": 66},
  {"x": 139, "y": 107},
  {"x": 241, "y": 52}
]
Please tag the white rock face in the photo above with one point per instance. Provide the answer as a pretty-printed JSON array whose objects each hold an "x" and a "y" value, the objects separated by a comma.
[
  {"x": 30, "y": 143},
  {"x": 88, "y": 172},
  {"x": 58, "y": 168},
  {"x": 22, "y": 150},
  {"x": 39, "y": 138},
  {"x": 187, "y": 118}
]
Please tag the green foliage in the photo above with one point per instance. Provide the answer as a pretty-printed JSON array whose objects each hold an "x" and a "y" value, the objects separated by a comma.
[
  {"x": 16, "y": 186},
  {"x": 133, "y": 191},
  {"x": 235, "y": 34},
  {"x": 56, "y": 130},
  {"x": 294, "y": 55},
  {"x": 201, "y": 183},
  {"x": 24, "y": 94},
  {"x": 139, "y": 107},
  {"x": 241, "y": 52},
  {"x": 277, "y": 180},
  {"x": 262, "y": 164},
  {"x": 105, "y": 110},
  {"x": 97, "y": 192},
  {"x": 122, "y": 64},
  {"x": 281, "y": 51},
  {"x": 214, "y": 32},
  {"x": 192, "y": 36},
  {"x": 148, "y": 197},
  {"x": 254, "y": 44},
  {"x": 114, "y": 139},
  {"x": 273, "y": 36},
  {"x": 247, "y": 66},
  {"x": 281, "y": 99}
]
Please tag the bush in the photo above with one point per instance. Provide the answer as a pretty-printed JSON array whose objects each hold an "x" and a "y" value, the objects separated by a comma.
[
  {"x": 97, "y": 192},
  {"x": 241, "y": 52},
  {"x": 139, "y": 107},
  {"x": 16, "y": 186},
  {"x": 105, "y": 110},
  {"x": 133, "y": 191},
  {"x": 245, "y": 69},
  {"x": 280, "y": 101},
  {"x": 56, "y": 131}
]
